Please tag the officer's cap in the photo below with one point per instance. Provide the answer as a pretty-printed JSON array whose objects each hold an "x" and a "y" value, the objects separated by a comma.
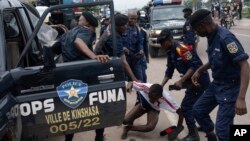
[
  {"x": 199, "y": 16},
  {"x": 121, "y": 19},
  {"x": 165, "y": 33},
  {"x": 90, "y": 18},
  {"x": 187, "y": 10}
]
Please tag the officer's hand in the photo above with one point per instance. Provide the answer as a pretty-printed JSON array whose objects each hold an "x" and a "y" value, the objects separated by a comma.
[
  {"x": 126, "y": 50},
  {"x": 240, "y": 106},
  {"x": 102, "y": 58},
  {"x": 141, "y": 52},
  {"x": 195, "y": 78},
  {"x": 178, "y": 85}
]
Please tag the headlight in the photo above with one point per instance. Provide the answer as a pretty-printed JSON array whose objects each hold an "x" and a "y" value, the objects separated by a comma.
[{"x": 155, "y": 32}]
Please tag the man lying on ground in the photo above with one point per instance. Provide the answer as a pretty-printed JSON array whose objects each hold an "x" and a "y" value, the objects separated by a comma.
[{"x": 150, "y": 100}]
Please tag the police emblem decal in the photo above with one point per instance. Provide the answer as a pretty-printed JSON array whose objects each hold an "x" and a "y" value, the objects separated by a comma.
[
  {"x": 188, "y": 55},
  {"x": 232, "y": 47},
  {"x": 72, "y": 92}
]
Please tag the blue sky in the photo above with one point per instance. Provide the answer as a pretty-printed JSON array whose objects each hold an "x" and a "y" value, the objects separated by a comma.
[{"x": 121, "y": 5}]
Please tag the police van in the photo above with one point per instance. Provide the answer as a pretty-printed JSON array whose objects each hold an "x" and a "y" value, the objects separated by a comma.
[
  {"x": 165, "y": 14},
  {"x": 40, "y": 97}
]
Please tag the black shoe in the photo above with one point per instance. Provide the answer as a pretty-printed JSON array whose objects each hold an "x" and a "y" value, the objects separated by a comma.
[
  {"x": 191, "y": 138},
  {"x": 175, "y": 133},
  {"x": 211, "y": 136},
  {"x": 200, "y": 129},
  {"x": 192, "y": 135}
]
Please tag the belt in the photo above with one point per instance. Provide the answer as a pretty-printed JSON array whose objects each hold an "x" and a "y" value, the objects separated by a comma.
[{"x": 226, "y": 81}]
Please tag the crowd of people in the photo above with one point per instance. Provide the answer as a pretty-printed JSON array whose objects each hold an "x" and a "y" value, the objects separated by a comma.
[
  {"x": 227, "y": 11},
  {"x": 227, "y": 60},
  {"x": 235, "y": 8}
]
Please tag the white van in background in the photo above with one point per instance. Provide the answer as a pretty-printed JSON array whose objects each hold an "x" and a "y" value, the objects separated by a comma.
[{"x": 40, "y": 10}]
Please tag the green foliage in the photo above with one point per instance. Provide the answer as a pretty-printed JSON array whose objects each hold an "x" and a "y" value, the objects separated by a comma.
[
  {"x": 91, "y": 9},
  {"x": 247, "y": 3},
  {"x": 246, "y": 12},
  {"x": 189, "y": 3}
]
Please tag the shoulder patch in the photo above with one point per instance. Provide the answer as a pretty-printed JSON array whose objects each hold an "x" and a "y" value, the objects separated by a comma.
[
  {"x": 188, "y": 27},
  {"x": 232, "y": 47},
  {"x": 188, "y": 55}
]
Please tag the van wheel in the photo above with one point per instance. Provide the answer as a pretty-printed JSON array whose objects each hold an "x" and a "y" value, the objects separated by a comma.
[
  {"x": 9, "y": 136},
  {"x": 153, "y": 51}
]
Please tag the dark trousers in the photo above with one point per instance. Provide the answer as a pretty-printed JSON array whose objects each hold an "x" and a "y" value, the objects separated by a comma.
[
  {"x": 135, "y": 63},
  {"x": 144, "y": 67},
  {"x": 224, "y": 95},
  {"x": 240, "y": 13},
  {"x": 187, "y": 103},
  {"x": 99, "y": 135}
]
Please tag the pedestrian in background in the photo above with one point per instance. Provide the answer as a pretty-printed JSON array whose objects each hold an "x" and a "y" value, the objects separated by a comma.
[
  {"x": 230, "y": 71},
  {"x": 240, "y": 9}
]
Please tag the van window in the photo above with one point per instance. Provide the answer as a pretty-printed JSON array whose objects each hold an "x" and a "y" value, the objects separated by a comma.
[
  {"x": 14, "y": 40},
  {"x": 10, "y": 25}
]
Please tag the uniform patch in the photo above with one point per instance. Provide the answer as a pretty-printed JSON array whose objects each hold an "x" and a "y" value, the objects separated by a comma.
[
  {"x": 188, "y": 55},
  {"x": 188, "y": 27},
  {"x": 72, "y": 92},
  {"x": 232, "y": 47}
]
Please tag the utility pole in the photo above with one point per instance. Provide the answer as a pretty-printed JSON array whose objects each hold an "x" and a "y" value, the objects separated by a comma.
[{"x": 194, "y": 5}]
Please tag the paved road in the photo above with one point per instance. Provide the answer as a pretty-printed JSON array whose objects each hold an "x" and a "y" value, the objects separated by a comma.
[{"x": 155, "y": 73}]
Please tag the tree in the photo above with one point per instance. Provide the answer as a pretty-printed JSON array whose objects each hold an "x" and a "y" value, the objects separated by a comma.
[{"x": 189, "y": 3}]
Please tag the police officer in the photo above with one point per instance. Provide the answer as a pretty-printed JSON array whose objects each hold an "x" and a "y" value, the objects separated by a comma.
[
  {"x": 145, "y": 60},
  {"x": 107, "y": 45},
  {"x": 77, "y": 45},
  {"x": 133, "y": 45},
  {"x": 104, "y": 25},
  {"x": 188, "y": 33},
  {"x": 230, "y": 71},
  {"x": 185, "y": 60}
]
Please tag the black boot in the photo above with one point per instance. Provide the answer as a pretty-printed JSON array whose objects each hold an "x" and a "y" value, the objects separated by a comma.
[
  {"x": 211, "y": 136},
  {"x": 192, "y": 135},
  {"x": 175, "y": 132}
]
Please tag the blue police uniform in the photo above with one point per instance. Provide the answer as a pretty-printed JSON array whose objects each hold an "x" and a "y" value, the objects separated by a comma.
[
  {"x": 69, "y": 51},
  {"x": 119, "y": 45},
  {"x": 133, "y": 41},
  {"x": 224, "y": 52},
  {"x": 145, "y": 50},
  {"x": 182, "y": 63},
  {"x": 188, "y": 34}
]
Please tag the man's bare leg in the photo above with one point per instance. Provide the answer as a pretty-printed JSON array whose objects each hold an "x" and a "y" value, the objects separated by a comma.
[
  {"x": 152, "y": 119},
  {"x": 133, "y": 114}
]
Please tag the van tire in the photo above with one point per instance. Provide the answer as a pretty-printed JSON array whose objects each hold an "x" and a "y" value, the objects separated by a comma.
[
  {"x": 153, "y": 51},
  {"x": 9, "y": 136}
]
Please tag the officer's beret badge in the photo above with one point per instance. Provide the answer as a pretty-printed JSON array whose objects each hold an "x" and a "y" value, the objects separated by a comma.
[
  {"x": 188, "y": 55},
  {"x": 232, "y": 47}
]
